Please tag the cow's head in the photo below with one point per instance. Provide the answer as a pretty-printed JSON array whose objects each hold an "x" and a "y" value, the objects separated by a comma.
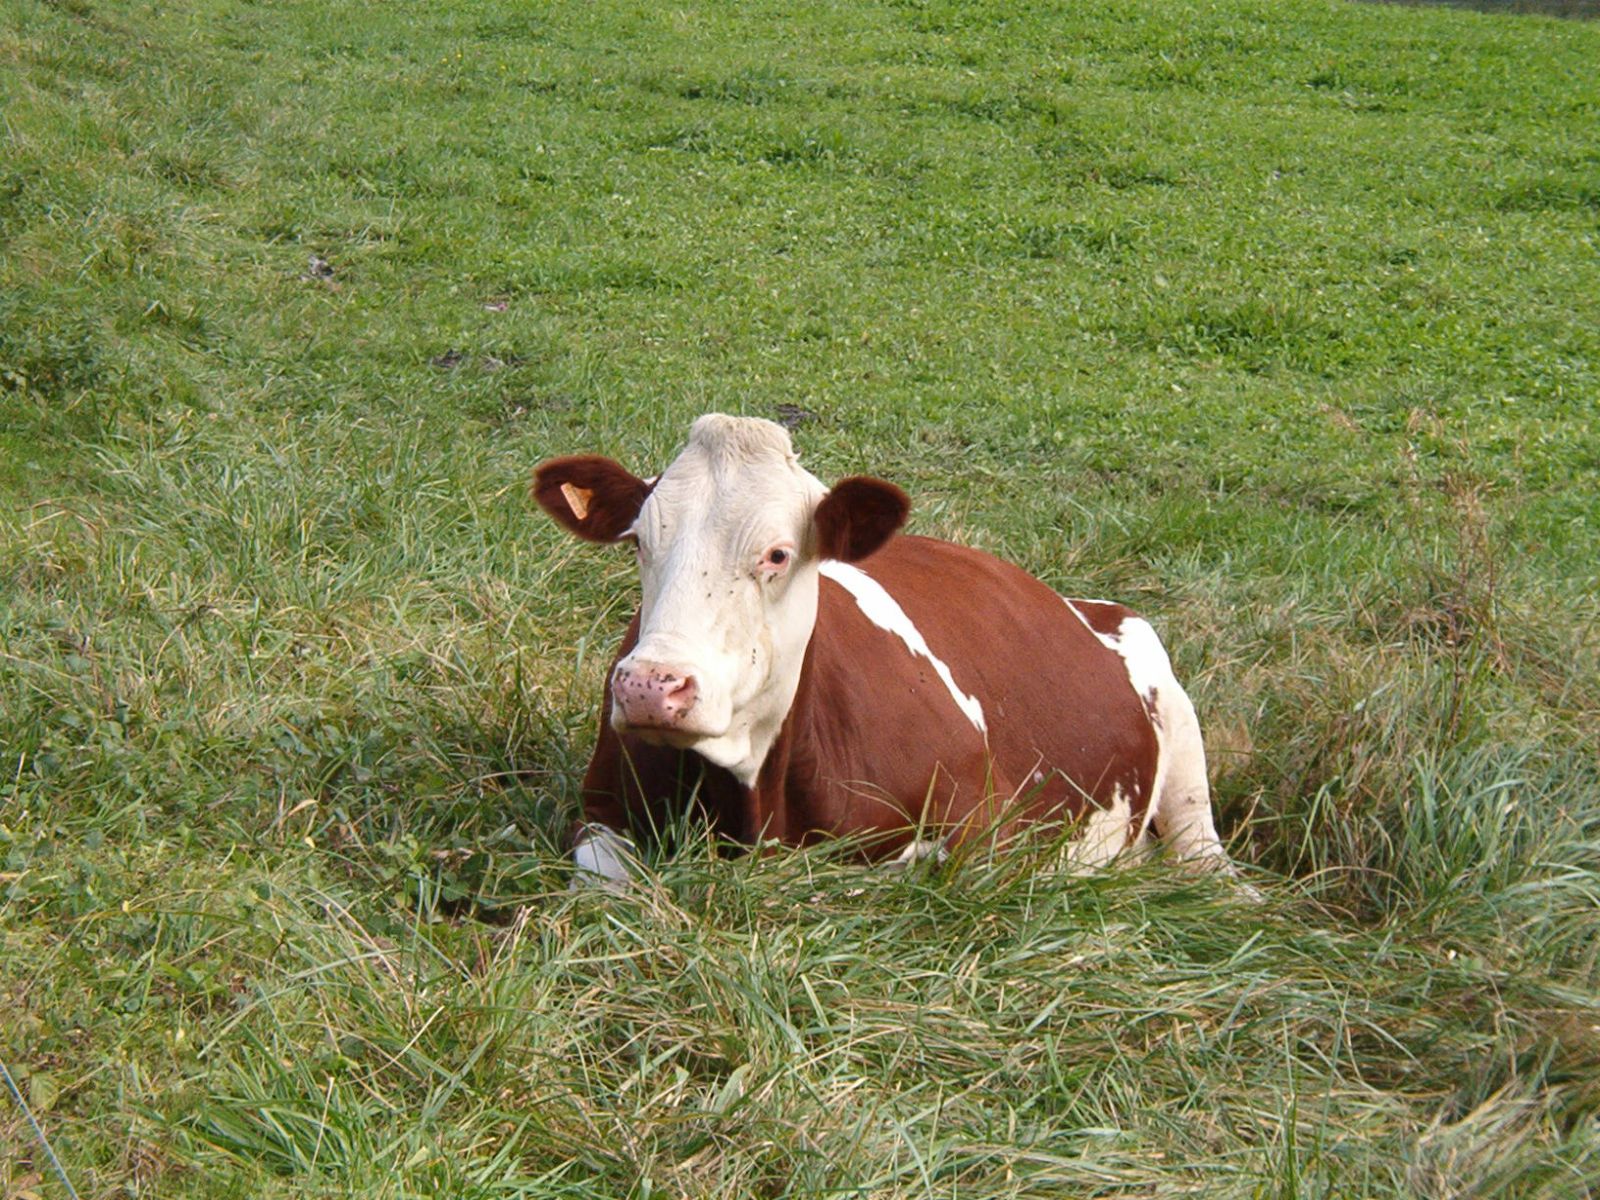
[{"x": 729, "y": 539}]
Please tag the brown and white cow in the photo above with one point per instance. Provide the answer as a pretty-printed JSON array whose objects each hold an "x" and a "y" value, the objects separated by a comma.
[{"x": 812, "y": 674}]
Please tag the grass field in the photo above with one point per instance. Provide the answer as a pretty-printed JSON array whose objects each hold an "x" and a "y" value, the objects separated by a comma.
[{"x": 1278, "y": 321}]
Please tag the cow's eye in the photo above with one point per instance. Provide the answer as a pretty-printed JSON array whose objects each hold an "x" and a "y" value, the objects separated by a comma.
[{"x": 776, "y": 560}]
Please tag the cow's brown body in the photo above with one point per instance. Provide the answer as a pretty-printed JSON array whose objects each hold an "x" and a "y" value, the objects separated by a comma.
[{"x": 875, "y": 744}]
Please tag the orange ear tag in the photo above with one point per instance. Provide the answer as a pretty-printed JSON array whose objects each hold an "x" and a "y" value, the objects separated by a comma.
[{"x": 577, "y": 499}]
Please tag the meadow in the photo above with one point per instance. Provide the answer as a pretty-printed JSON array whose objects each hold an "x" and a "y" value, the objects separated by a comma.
[{"x": 1280, "y": 322}]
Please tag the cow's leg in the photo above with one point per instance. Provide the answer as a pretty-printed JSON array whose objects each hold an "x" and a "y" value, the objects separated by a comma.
[
  {"x": 1181, "y": 813},
  {"x": 601, "y": 853},
  {"x": 1103, "y": 834},
  {"x": 1182, "y": 809},
  {"x": 629, "y": 787},
  {"x": 919, "y": 850},
  {"x": 602, "y": 857}
]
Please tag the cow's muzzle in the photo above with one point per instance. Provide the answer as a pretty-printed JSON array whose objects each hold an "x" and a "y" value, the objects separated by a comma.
[{"x": 655, "y": 696}]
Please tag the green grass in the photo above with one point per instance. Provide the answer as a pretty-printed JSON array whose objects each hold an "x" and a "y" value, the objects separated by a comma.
[{"x": 1280, "y": 322}]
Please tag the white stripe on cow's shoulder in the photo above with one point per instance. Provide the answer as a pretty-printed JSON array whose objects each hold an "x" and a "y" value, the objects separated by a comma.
[{"x": 885, "y": 612}]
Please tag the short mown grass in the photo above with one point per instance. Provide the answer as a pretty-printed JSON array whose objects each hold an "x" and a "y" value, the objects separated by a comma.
[{"x": 1280, "y": 322}]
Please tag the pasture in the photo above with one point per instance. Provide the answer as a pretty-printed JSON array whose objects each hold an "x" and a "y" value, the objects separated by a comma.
[{"x": 1279, "y": 322}]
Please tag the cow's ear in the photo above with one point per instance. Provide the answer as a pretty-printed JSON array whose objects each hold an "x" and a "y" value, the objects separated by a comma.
[
  {"x": 595, "y": 498},
  {"x": 858, "y": 516}
]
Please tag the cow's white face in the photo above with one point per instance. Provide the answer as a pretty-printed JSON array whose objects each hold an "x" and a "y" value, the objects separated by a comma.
[
  {"x": 728, "y": 570},
  {"x": 729, "y": 541}
]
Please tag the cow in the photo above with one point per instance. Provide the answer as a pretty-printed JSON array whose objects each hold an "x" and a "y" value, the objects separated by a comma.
[{"x": 805, "y": 671}]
